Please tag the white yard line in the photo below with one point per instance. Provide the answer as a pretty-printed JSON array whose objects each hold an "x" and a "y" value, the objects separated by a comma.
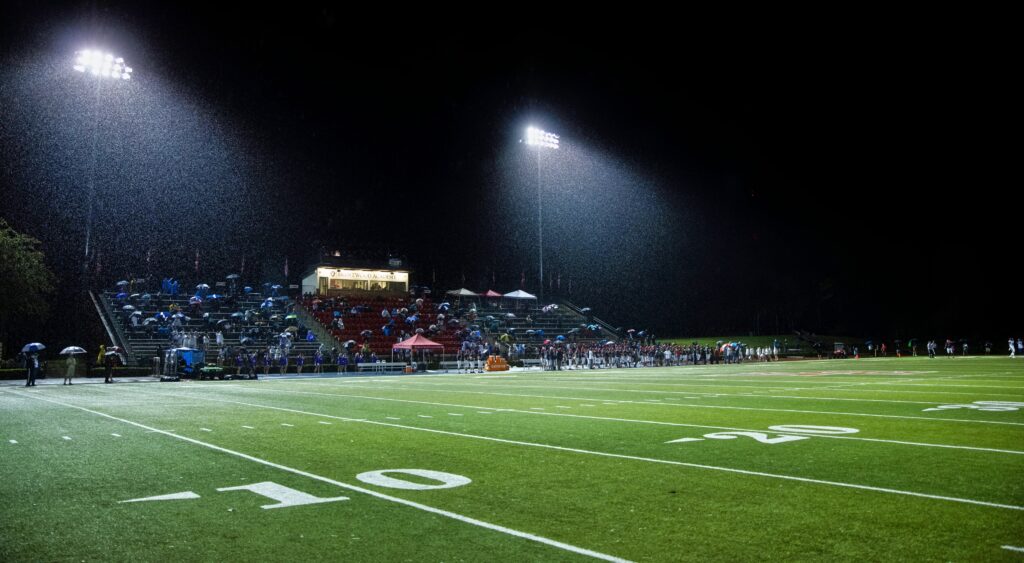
[
  {"x": 454, "y": 516},
  {"x": 428, "y": 384},
  {"x": 693, "y": 405},
  {"x": 628, "y": 420},
  {"x": 115, "y": 435},
  {"x": 573, "y": 450},
  {"x": 1014, "y": 548}
]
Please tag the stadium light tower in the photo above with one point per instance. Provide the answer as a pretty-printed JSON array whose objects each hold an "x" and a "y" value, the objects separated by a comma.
[
  {"x": 102, "y": 67},
  {"x": 542, "y": 140}
]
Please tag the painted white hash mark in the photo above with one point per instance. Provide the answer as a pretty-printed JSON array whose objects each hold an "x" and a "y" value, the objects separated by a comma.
[
  {"x": 187, "y": 495},
  {"x": 424, "y": 416},
  {"x": 286, "y": 424},
  {"x": 115, "y": 435},
  {"x": 323, "y": 422},
  {"x": 392, "y": 418},
  {"x": 13, "y": 441},
  {"x": 249, "y": 427},
  {"x": 206, "y": 430},
  {"x": 66, "y": 437}
]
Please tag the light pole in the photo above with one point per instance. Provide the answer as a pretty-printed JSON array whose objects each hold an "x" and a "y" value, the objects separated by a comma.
[
  {"x": 102, "y": 67},
  {"x": 541, "y": 140}
]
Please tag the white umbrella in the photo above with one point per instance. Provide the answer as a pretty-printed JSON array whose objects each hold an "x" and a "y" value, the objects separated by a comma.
[{"x": 72, "y": 350}]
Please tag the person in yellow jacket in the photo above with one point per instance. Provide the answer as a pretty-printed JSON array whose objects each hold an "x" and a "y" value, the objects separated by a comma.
[{"x": 99, "y": 357}]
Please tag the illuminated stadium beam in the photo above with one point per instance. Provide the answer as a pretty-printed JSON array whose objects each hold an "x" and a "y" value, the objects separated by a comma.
[
  {"x": 101, "y": 65},
  {"x": 540, "y": 139}
]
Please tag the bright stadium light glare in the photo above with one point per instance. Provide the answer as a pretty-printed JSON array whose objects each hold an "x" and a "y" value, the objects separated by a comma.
[
  {"x": 79, "y": 68},
  {"x": 541, "y": 138}
]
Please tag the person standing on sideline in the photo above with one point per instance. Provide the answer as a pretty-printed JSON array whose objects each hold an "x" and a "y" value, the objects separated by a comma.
[
  {"x": 300, "y": 360},
  {"x": 108, "y": 368},
  {"x": 32, "y": 368},
  {"x": 101, "y": 355},
  {"x": 1013, "y": 351},
  {"x": 71, "y": 363}
]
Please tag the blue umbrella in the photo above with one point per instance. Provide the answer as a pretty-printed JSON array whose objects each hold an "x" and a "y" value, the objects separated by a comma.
[
  {"x": 247, "y": 289},
  {"x": 559, "y": 337},
  {"x": 121, "y": 295},
  {"x": 33, "y": 347},
  {"x": 213, "y": 296}
]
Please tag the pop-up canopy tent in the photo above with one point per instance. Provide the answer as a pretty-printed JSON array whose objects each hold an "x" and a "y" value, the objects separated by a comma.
[
  {"x": 519, "y": 294},
  {"x": 463, "y": 292},
  {"x": 417, "y": 342},
  {"x": 492, "y": 293}
]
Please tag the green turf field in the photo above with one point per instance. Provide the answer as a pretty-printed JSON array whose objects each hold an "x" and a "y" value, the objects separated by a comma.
[{"x": 867, "y": 460}]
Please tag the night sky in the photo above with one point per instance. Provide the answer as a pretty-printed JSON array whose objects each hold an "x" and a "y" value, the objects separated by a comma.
[{"x": 716, "y": 177}]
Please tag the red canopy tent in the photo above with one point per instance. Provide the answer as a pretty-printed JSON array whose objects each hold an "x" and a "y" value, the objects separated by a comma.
[
  {"x": 492, "y": 293},
  {"x": 417, "y": 342}
]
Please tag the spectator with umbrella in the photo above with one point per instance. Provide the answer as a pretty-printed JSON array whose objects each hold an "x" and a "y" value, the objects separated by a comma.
[
  {"x": 32, "y": 365},
  {"x": 71, "y": 352}
]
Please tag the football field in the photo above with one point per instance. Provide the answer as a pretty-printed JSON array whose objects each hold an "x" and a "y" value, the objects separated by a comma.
[{"x": 908, "y": 459}]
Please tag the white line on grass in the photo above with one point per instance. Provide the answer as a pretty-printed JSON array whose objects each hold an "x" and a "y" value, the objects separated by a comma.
[
  {"x": 691, "y": 405},
  {"x": 424, "y": 416},
  {"x": 630, "y": 420},
  {"x": 454, "y": 414},
  {"x": 115, "y": 435},
  {"x": 691, "y": 392},
  {"x": 454, "y": 516},
  {"x": 249, "y": 427},
  {"x": 392, "y": 418},
  {"x": 1014, "y": 548},
  {"x": 323, "y": 422},
  {"x": 288, "y": 425},
  {"x": 206, "y": 430},
  {"x": 614, "y": 455},
  {"x": 13, "y": 441},
  {"x": 66, "y": 437}
]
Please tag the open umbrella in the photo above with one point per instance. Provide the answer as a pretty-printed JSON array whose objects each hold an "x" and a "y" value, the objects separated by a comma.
[
  {"x": 292, "y": 329},
  {"x": 247, "y": 289},
  {"x": 546, "y": 342},
  {"x": 238, "y": 315},
  {"x": 366, "y": 333},
  {"x": 146, "y": 297},
  {"x": 33, "y": 347},
  {"x": 136, "y": 313},
  {"x": 150, "y": 321},
  {"x": 127, "y": 308},
  {"x": 224, "y": 324},
  {"x": 194, "y": 300},
  {"x": 585, "y": 310},
  {"x": 419, "y": 331},
  {"x": 121, "y": 295},
  {"x": 510, "y": 315},
  {"x": 134, "y": 296},
  {"x": 559, "y": 337},
  {"x": 291, "y": 316},
  {"x": 213, "y": 296},
  {"x": 232, "y": 277},
  {"x": 202, "y": 286},
  {"x": 72, "y": 350},
  {"x": 122, "y": 283}
]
